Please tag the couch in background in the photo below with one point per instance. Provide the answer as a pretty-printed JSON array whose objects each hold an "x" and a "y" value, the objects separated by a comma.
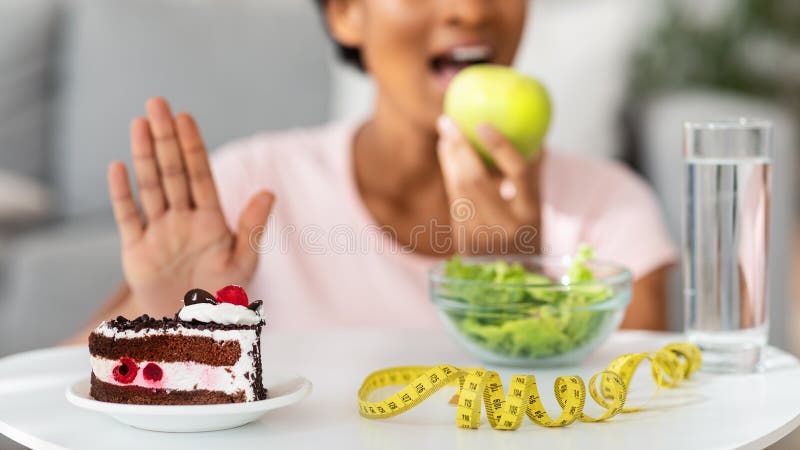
[{"x": 72, "y": 75}]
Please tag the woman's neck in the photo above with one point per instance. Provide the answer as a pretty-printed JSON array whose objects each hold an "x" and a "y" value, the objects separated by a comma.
[
  {"x": 398, "y": 176},
  {"x": 394, "y": 155}
]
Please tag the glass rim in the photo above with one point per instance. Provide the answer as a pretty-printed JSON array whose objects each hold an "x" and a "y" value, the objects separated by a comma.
[
  {"x": 621, "y": 273},
  {"x": 613, "y": 302},
  {"x": 735, "y": 123}
]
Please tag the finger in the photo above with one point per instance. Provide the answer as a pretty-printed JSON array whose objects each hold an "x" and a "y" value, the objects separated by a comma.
[
  {"x": 145, "y": 168},
  {"x": 463, "y": 170},
  {"x": 168, "y": 154},
  {"x": 508, "y": 159},
  {"x": 129, "y": 222},
  {"x": 466, "y": 177},
  {"x": 251, "y": 222},
  {"x": 195, "y": 156},
  {"x": 514, "y": 168}
]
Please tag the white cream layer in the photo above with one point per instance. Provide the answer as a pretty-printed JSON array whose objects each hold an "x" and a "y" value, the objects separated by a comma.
[
  {"x": 223, "y": 313},
  {"x": 185, "y": 375},
  {"x": 178, "y": 376}
]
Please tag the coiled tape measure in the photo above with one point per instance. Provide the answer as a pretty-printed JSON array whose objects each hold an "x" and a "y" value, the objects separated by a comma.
[{"x": 669, "y": 366}]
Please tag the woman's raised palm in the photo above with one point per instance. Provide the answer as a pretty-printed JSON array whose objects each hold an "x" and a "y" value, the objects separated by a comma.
[{"x": 180, "y": 239}]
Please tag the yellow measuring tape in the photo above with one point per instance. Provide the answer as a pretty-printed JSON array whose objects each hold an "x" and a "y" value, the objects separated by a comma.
[{"x": 669, "y": 366}]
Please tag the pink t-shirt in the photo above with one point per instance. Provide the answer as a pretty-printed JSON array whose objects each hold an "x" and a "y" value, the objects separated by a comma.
[{"x": 323, "y": 263}]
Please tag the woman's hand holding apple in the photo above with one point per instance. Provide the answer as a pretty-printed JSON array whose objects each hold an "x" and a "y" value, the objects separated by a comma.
[
  {"x": 497, "y": 116},
  {"x": 493, "y": 211}
]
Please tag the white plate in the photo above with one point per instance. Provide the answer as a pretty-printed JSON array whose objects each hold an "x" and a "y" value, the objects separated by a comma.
[{"x": 283, "y": 390}]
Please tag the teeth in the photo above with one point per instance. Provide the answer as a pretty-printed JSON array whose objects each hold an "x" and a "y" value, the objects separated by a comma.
[{"x": 473, "y": 53}]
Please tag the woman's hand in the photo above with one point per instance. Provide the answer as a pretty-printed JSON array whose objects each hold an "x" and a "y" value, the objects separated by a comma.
[
  {"x": 182, "y": 241},
  {"x": 492, "y": 211}
]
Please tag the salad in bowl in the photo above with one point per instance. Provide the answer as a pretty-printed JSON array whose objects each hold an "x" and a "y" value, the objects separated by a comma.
[{"x": 531, "y": 311}]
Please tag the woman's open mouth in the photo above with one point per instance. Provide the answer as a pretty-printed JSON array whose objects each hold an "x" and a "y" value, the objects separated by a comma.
[{"x": 446, "y": 65}]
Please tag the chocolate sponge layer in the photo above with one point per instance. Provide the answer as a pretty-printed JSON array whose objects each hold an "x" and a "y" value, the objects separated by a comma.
[
  {"x": 137, "y": 395},
  {"x": 167, "y": 348}
]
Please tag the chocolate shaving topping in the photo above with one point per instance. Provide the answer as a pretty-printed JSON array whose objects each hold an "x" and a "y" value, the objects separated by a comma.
[
  {"x": 255, "y": 305},
  {"x": 196, "y": 296},
  {"x": 147, "y": 322}
]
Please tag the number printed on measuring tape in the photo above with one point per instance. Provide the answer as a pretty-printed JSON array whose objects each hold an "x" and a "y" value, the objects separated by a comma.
[{"x": 608, "y": 388}]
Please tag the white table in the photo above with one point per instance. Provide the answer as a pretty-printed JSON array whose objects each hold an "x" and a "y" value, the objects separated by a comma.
[{"x": 740, "y": 411}]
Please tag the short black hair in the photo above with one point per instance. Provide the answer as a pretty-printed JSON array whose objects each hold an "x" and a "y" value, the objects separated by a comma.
[{"x": 350, "y": 55}]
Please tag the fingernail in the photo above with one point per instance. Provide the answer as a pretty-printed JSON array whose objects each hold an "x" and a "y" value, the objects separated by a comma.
[
  {"x": 446, "y": 126},
  {"x": 266, "y": 198}
]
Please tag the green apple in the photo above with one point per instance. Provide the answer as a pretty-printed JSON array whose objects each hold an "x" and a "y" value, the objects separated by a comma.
[{"x": 516, "y": 105}]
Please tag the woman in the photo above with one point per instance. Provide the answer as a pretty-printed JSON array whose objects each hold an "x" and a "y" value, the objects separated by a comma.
[{"x": 406, "y": 169}]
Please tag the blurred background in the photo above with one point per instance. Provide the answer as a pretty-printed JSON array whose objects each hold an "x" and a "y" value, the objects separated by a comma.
[{"x": 624, "y": 75}]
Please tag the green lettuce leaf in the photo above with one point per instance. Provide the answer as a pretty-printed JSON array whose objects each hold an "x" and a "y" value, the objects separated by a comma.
[{"x": 510, "y": 315}]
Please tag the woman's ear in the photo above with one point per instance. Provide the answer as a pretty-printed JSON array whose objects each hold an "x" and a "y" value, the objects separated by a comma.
[{"x": 346, "y": 21}]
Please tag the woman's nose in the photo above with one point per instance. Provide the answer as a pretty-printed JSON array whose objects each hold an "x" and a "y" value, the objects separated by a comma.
[{"x": 468, "y": 13}]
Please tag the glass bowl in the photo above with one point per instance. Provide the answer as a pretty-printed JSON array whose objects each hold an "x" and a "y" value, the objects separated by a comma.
[{"x": 550, "y": 322}]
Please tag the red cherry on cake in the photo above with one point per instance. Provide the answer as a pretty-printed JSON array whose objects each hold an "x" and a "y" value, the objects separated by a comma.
[
  {"x": 152, "y": 372},
  {"x": 233, "y": 294},
  {"x": 126, "y": 371}
]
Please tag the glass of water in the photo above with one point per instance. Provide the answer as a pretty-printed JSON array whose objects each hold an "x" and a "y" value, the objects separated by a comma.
[{"x": 726, "y": 199}]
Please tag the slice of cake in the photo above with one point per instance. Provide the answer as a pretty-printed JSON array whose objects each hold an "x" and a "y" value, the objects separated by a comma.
[{"x": 209, "y": 353}]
